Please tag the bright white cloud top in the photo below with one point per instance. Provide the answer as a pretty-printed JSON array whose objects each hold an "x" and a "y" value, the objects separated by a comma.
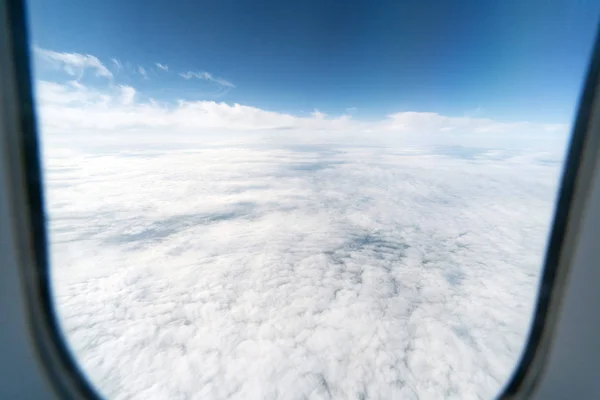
[
  {"x": 74, "y": 106},
  {"x": 214, "y": 250}
]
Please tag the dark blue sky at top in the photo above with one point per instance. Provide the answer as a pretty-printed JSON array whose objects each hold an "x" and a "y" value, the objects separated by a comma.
[{"x": 507, "y": 60}]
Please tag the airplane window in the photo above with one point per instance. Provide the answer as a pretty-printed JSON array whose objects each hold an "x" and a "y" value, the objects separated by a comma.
[{"x": 311, "y": 199}]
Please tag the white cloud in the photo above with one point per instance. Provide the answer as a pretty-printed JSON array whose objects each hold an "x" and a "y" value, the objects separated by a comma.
[
  {"x": 109, "y": 113},
  {"x": 104, "y": 110},
  {"x": 71, "y": 95},
  {"x": 260, "y": 271},
  {"x": 425, "y": 122},
  {"x": 143, "y": 72},
  {"x": 225, "y": 251},
  {"x": 208, "y": 77},
  {"x": 68, "y": 107},
  {"x": 75, "y": 64},
  {"x": 117, "y": 64},
  {"x": 164, "y": 67},
  {"x": 319, "y": 115}
]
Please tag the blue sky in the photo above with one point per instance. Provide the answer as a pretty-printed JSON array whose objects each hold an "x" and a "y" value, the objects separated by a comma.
[{"x": 506, "y": 60}]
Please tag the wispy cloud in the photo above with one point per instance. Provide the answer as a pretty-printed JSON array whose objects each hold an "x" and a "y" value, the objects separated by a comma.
[
  {"x": 208, "y": 77},
  {"x": 143, "y": 72},
  {"x": 164, "y": 67},
  {"x": 75, "y": 64},
  {"x": 117, "y": 64}
]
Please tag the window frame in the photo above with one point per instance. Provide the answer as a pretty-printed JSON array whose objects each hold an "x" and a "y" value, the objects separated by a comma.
[
  {"x": 21, "y": 158},
  {"x": 575, "y": 184}
]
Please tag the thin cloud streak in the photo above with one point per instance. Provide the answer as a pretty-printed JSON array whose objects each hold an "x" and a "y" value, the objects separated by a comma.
[
  {"x": 208, "y": 77},
  {"x": 74, "y": 64},
  {"x": 117, "y": 64}
]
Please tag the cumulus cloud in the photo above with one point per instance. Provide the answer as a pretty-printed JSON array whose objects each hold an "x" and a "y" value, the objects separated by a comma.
[
  {"x": 215, "y": 250},
  {"x": 164, "y": 67},
  {"x": 207, "y": 77},
  {"x": 74, "y": 64}
]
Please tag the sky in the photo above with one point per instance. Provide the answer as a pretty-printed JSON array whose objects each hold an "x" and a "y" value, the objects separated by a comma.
[{"x": 508, "y": 61}]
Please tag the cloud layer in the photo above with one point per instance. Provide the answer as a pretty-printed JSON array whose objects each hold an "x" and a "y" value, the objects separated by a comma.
[
  {"x": 260, "y": 271},
  {"x": 214, "y": 250}
]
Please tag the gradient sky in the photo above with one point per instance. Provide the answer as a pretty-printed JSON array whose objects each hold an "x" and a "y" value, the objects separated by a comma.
[{"x": 506, "y": 60}]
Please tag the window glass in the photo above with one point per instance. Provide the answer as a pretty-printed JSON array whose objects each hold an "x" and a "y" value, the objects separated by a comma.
[{"x": 284, "y": 200}]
